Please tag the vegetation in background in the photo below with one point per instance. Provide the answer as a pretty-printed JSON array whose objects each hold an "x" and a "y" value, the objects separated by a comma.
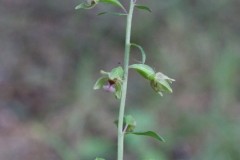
[{"x": 48, "y": 61}]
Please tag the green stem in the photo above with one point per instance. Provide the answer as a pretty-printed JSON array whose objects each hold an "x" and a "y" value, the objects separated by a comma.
[{"x": 125, "y": 81}]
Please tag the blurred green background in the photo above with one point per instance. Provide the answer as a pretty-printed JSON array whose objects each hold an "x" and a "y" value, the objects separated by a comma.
[{"x": 50, "y": 57}]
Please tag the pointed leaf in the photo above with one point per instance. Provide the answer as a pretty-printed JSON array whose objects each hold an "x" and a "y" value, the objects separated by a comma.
[
  {"x": 100, "y": 83},
  {"x": 144, "y": 70},
  {"x": 102, "y": 13},
  {"x": 149, "y": 134},
  {"x": 85, "y": 6},
  {"x": 142, "y": 51},
  {"x": 116, "y": 73},
  {"x": 113, "y": 13},
  {"x": 113, "y": 2},
  {"x": 142, "y": 7}
]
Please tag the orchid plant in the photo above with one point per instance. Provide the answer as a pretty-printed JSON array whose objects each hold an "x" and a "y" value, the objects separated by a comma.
[{"x": 116, "y": 80}]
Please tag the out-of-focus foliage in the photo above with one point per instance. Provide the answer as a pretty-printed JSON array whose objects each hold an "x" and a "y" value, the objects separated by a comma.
[{"x": 51, "y": 54}]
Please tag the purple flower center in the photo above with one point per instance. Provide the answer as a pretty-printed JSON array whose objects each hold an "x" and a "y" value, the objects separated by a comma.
[{"x": 109, "y": 88}]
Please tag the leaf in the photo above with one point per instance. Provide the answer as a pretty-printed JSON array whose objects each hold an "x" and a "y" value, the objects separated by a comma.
[
  {"x": 142, "y": 7},
  {"x": 149, "y": 134},
  {"x": 116, "y": 73},
  {"x": 113, "y": 13},
  {"x": 85, "y": 6},
  {"x": 102, "y": 13},
  {"x": 144, "y": 70},
  {"x": 100, "y": 83},
  {"x": 142, "y": 51},
  {"x": 99, "y": 158},
  {"x": 113, "y": 2}
]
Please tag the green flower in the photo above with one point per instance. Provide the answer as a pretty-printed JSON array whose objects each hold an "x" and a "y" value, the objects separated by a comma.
[
  {"x": 159, "y": 82},
  {"x": 111, "y": 81}
]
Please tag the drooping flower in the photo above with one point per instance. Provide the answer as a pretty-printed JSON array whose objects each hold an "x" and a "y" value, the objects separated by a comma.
[
  {"x": 111, "y": 81},
  {"x": 159, "y": 82}
]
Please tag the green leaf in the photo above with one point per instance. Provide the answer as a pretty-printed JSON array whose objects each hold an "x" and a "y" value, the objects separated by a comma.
[
  {"x": 116, "y": 73},
  {"x": 113, "y": 2},
  {"x": 143, "y": 8},
  {"x": 149, "y": 134},
  {"x": 100, "y": 83},
  {"x": 99, "y": 158},
  {"x": 144, "y": 70},
  {"x": 113, "y": 13},
  {"x": 142, "y": 51},
  {"x": 86, "y": 6}
]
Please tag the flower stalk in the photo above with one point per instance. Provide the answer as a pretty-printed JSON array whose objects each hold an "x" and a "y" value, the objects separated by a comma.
[{"x": 125, "y": 82}]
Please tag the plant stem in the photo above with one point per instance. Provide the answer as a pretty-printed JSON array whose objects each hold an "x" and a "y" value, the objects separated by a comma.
[{"x": 125, "y": 81}]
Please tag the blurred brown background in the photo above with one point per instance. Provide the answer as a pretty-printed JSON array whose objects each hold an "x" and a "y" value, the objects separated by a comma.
[{"x": 50, "y": 57}]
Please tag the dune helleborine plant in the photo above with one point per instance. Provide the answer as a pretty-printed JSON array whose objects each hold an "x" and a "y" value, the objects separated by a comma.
[{"x": 116, "y": 80}]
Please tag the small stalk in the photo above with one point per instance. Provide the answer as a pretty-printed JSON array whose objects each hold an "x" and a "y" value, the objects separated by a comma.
[{"x": 125, "y": 81}]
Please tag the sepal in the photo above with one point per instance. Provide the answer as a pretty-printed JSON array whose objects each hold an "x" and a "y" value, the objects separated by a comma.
[{"x": 144, "y": 70}]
